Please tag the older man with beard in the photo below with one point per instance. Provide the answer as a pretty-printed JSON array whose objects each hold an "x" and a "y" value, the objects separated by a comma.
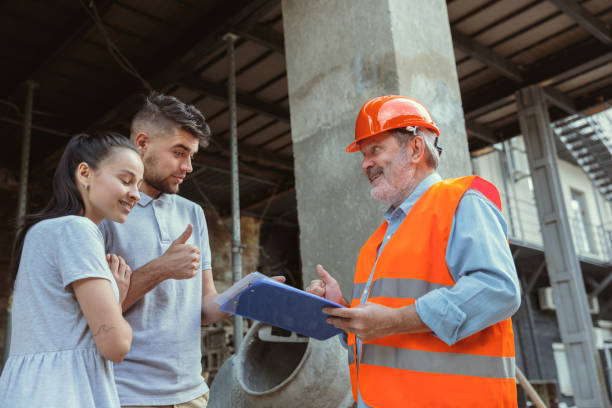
[{"x": 435, "y": 285}]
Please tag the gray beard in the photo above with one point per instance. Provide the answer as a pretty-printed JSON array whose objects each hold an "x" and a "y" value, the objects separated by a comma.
[
  {"x": 390, "y": 194},
  {"x": 390, "y": 197}
]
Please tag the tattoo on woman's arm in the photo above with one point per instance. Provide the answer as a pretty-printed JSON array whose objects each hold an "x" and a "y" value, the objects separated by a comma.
[{"x": 104, "y": 328}]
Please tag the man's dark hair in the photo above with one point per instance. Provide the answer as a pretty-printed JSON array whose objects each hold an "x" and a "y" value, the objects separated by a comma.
[{"x": 165, "y": 112}]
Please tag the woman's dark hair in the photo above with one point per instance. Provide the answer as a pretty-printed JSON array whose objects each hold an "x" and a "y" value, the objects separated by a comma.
[{"x": 66, "y": 199}]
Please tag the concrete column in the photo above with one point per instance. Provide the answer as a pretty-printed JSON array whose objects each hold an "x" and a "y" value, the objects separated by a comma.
[
  {"x": 564, "y": 272},
  {"x": 340, "y": 53}
]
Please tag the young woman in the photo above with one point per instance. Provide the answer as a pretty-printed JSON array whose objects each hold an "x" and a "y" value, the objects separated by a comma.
[{"x": 67, "y": 321}]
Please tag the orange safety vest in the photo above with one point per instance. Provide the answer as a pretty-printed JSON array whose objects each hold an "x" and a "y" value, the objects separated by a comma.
[{"x": 420, "y": 370}]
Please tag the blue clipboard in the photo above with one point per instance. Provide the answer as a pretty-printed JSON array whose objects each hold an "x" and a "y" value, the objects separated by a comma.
[{"x": 283, "y": 306}]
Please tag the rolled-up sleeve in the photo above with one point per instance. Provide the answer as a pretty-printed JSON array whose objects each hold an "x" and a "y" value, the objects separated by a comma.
[{"x": 487, "y": 290}]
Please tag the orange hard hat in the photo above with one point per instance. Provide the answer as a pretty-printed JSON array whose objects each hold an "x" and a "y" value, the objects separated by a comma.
[{"x": 389, "y": 112}]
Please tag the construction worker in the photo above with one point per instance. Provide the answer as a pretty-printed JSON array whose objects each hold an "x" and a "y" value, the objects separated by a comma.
[{"x": 435, "y": 285}]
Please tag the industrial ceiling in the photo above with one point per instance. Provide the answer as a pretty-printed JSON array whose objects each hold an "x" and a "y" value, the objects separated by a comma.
[{"x": 93, "y": 60}]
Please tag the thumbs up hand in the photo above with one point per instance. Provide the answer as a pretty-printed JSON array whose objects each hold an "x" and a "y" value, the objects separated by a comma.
[
  {"x": 181, "y": 260},
  {"x": 326, "y": 287},
  {"x": 182, "y": 239}
]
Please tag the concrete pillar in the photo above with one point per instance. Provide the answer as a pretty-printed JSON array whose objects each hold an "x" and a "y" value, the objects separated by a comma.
[{"x": 340, "y": 53}]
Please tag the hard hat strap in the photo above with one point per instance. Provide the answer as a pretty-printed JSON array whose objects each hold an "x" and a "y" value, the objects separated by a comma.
[
  {"x": 412, "y": 129},
  {"x": 438, "y": 148}
]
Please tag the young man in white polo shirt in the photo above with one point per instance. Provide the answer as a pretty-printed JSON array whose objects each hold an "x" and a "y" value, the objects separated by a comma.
[{"x": 165, "y": 242}]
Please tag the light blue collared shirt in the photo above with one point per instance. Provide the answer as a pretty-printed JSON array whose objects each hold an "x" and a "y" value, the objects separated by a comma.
[
  {"x": 163, "y": 366},
  {"x": 478, "y": 257}
]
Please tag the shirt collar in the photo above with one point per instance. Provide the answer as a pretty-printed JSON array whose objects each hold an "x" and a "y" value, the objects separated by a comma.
[
  {"x": 405, "y": 206},
  {"x": 146, "y": 200}
]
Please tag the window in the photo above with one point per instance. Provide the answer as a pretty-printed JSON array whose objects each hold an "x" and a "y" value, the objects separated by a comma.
[
  {"x": 565, "y": 385},
  {"x": 607, "y": 365},
  {"x": 579, "y": 221}
]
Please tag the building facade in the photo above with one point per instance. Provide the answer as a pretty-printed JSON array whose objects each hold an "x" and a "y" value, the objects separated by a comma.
[{"x": 540, "y": 351}]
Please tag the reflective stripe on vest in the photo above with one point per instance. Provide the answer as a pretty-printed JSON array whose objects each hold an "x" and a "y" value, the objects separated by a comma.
[
  {"x": 402, "y": 288},
  {"x": 351, "y": 354},
  {"x": 396, "y": 288},
  {"x": 438, "y": 363},
  {"x": 358, "y": 290}
]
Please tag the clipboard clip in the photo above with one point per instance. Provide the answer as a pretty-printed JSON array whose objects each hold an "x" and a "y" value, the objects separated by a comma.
[{"x": 265, "y": 334}]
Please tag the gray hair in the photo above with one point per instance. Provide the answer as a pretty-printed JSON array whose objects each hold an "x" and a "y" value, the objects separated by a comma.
[{"x": 404, "y": 136}]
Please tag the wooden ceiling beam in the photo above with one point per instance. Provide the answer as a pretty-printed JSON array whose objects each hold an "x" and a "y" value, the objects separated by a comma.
[
  {"x": 481, "y": 132},
  {"x": 68, "y": 37},
  {"x": 261, "y": 201},
  {"x": 265, "y": 36},
  {"x": 260, "y": 156},
  {"x": 202, "y": 164},
  {"x": 580, "y": 58},
  {"x": 586, "y": 20},
  {"x": 486, "y": 56},
  {"x": 214, "y": 160},
  {"x": 218, "y": 91},
  {"x": 560, "y": 100},
  {"x": 187, "y": 52}
]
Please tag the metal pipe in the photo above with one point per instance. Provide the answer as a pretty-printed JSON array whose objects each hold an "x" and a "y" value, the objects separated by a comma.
[
  {"x": 505, "y": 173},
  {"x": 23, "y": 193},
  {"x": 44, "y": 129},
  {"x": 25, "y": 152},
  {"x": 507, "y": 151},
  {"x": 236, "y": 245}
]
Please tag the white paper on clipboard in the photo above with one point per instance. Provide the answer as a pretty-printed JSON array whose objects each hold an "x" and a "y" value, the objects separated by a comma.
[{"x": 239, "y": 286}]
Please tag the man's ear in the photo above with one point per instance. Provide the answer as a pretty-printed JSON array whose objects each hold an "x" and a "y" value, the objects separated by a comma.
[
  {"x": 418, "y": 148},
  {"x": 83, "y": 175},
  {"x": 142, "y": 142}
]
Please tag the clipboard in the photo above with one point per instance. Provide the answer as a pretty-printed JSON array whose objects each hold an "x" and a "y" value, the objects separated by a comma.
[{"x": 266, "y": 300}]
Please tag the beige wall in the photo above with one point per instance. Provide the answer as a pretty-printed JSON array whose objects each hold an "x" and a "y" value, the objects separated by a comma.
[{"x": 519, "y": 204}]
